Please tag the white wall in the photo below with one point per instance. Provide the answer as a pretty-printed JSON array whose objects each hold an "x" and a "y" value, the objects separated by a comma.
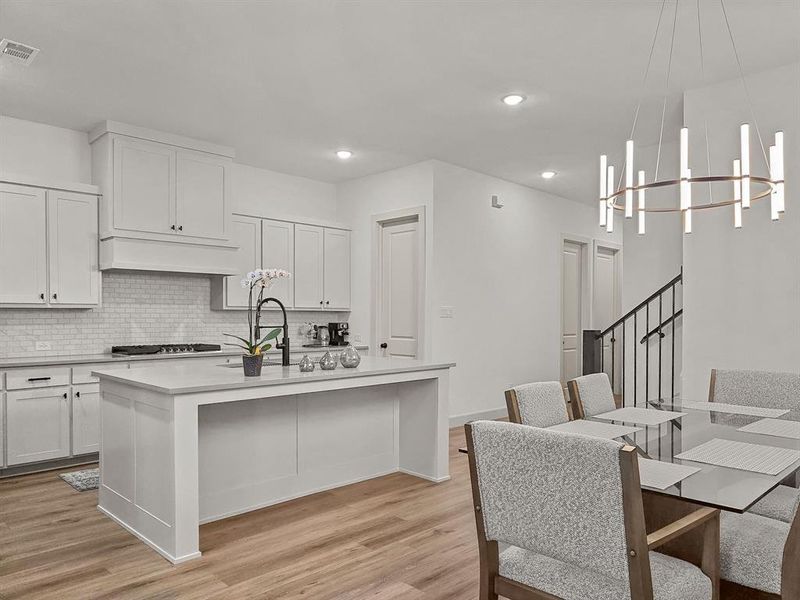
[
  {"x": 501, "y": 270},
  {"x": 43, "y": 151},
  {"x": 742, "y": 287},
  {"x": 358, "y": 200},
  {"x": 267, "y": 193}
]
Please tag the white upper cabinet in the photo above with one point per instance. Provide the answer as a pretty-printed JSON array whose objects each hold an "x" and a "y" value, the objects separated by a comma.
[
  {"x": 278, "y": 253},
  {"x": 48, "y": 248},
  {"x": 309, "y": 245},
  {"x": 166, "y": 201},
  {"x": 337, "y": 269},
  {"x": 144, "y": 186},
  {"x": 72, "y": 238},
  {"x": 23, "y": 245},
  {"x": 246, "y": 233},
  {"x": 203, "y": 184}
]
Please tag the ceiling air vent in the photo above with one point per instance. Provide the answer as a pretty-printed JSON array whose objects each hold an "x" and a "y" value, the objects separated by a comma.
[{"x": 18, "y": 52}]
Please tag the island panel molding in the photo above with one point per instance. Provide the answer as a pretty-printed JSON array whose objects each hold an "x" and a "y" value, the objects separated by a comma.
[{"x": 233, "y": 444}]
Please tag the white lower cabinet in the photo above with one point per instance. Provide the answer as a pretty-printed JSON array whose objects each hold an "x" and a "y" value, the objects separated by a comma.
[
  {"x": 85, "y": 418},
  {"x": 37, "y": 425},
  {"x": 2, "y": 426}
]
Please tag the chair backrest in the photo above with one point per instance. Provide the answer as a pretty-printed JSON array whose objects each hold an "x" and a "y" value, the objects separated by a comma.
[
  {"x": 539, "y": 404},
  {"x": 591, "y": 395},
  {"x": 755, "y": 388},
  {"x": 562, "y": 495}
]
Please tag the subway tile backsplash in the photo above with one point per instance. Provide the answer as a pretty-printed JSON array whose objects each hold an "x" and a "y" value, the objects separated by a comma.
[{"x": 138, "y": 308}]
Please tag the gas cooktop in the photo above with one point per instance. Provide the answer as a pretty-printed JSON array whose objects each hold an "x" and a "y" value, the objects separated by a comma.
[{"x": 164, "y": 349}]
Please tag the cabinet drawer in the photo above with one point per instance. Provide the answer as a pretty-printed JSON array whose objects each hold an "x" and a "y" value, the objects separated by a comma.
[
  {"x": 83, "y": 373},
  {"x": 37, "y": 377}
]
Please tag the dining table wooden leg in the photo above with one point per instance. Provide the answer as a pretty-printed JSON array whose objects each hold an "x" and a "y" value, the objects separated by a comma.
[{"x": 699, "y": 547}]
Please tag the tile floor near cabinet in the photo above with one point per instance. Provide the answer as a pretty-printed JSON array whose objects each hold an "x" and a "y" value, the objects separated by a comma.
[{"x": 395, "y": 537}]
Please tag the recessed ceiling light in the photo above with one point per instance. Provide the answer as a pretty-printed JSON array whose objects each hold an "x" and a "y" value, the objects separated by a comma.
[
  {"x": 344, "y": 154},
  {"x": 548, "y": 174},
  {"x": 513, "y": 99}
]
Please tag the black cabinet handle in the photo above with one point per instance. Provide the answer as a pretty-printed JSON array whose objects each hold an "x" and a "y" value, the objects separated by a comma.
[
  {"x": 65, "y": 395},
  {"x": 320, "y": 301},
  {"x": 180, "y": 227},
  {"x": 172, "y": 227},
  {"x": 38, "y": 379},
  {"x": 77, "y": 394},
  {"x": 55, "y": 296},
  {"x": 327, "y": 301},
  {"x": 384, "y": 345},
  {"x": 41, "y": 295}
]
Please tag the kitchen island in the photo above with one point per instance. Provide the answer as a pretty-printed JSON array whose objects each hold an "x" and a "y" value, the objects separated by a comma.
[{"x": 183, "y": 445}]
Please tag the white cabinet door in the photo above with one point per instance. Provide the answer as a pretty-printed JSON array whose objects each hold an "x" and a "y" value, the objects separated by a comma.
[
  {"x": 23, "y": 245},
  {"x": 337, "y": 269},
  {"x": 37, "y": 425},
  {"x": 308, "y": 269},
  {"x": 144, "y": 186},
  {"x": 85, "y": 419},
  {"x": 278, "y": 253},
  {"x": 202, "y": 195},
  {"x": 2, "y": 426},
  {"x": 246, "y": 233},
  {"x": 72, "y": 237}
]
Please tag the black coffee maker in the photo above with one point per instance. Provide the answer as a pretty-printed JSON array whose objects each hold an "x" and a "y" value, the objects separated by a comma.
[{"x": 339, "y": 333}]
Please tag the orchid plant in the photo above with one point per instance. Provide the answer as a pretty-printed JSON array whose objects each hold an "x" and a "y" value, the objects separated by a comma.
[{"x": 260, "y": 279}]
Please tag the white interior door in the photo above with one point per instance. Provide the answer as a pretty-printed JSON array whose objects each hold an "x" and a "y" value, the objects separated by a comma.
[
  {"x": 308, "y": 259},
  {"x": 201, "y": 197},
  {"x": 337, "y": 269},
  {"x": 278, "y": 253},
  {"x": 571, "y": 293},
  {"x": 246, "y": 232},
  {"x": 398, "y": 321},
  {"x": 606, "y": 296},
  {"x": 23, "y": 245},
  {"x": 72, "y": 235}
]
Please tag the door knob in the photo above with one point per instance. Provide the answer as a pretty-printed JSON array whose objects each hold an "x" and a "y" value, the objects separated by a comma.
[{"x": 384, "y": 345}]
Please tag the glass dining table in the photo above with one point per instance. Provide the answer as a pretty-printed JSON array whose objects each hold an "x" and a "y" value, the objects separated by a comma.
[{"x": 723, "y": 487}]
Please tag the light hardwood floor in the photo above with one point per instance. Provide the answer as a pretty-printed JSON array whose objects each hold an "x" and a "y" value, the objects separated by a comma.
[{"x": 395, "y": 537}]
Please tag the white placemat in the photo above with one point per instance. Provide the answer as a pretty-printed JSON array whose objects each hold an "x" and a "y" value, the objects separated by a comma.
[
  {"x": 595, "y": 429},
  {"x": 743, "y": 456},
  {"x": 736, "y": 409},
  {"x": 640, "y": 416},
  {"x": 661, "y": 475},
  {"x": 776, "y": 427}
]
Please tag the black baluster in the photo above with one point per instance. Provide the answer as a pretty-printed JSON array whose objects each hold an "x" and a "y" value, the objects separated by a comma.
[
  {"x": 623, "y": 362},
  {"x": 672, "y": 393},
  {"x": 647, "y": 358},
  {"x": 635, "y": 366},
  {"x": 660, "y": 336}
]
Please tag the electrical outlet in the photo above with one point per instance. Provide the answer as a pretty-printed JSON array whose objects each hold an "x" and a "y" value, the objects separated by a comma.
[
  {"x": 43, "y": 346},
  {"x": 358, "y": 337},
  {"x": 447, "y": 312}
]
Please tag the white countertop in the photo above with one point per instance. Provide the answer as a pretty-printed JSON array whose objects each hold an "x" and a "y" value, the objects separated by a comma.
[
  {"x": 73, "y": 359},
  {"x": 186, "y": 378}
]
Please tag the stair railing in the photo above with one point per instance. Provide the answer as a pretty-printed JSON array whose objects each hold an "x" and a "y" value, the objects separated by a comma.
[{"x": 596, "y": 341}]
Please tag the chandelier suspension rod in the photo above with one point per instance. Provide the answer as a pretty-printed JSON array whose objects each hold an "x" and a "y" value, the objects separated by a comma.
[
  {"x": 666, "y": 88},
  {"x": 647, "y": 69},
  {"x": 705, "y": 114},
  {"x": 744, "y": 83}
]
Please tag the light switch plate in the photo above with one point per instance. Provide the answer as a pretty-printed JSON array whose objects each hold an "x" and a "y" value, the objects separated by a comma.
[
  {"x": 447, "y": 312},
  {"x": 43, "y": 346}
]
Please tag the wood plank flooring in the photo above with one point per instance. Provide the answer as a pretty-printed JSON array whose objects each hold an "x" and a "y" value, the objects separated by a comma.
[{"x": 395, "y": 537}]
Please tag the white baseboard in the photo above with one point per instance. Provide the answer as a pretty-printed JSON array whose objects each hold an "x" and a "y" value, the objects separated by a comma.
[{"x": 492, "y": 413}]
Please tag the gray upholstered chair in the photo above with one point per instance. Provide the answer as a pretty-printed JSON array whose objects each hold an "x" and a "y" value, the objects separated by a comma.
[
  {"x": 575, "y": 529},
  {"x": 766, "y": 390},
  {"x": 759, "y": 557},
  {"x": 591, "y": 395},
  {"x": 539, "y": 404}
]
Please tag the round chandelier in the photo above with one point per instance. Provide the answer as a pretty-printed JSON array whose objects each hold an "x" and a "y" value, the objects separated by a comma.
[{"x": 746, "y": 187}]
